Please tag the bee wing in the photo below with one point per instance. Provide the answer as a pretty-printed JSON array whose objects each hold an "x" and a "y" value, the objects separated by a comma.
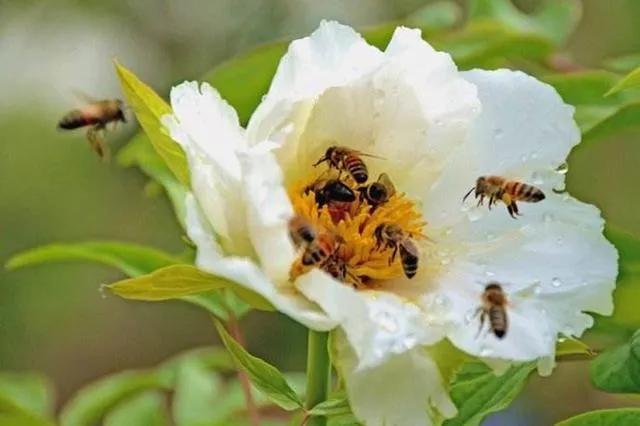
[
  {"x": 410, "y": 248},
  {"x": 364, "y": 154},
  {"x": 84, "y": 97},
  {"x": 386, "y": 181}
]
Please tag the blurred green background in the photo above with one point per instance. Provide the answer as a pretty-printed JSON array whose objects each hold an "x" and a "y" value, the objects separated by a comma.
[{"x": 54, "y": 319}]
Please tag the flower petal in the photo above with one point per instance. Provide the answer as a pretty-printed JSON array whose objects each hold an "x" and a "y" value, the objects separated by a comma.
[
  {"x": 378, "y": 325},
  {"x": 208, "y": 130},
  {"x": 246, "y": 273},
  {"x": 399, "y": 391},
  {"x": 269, "y": 211}
]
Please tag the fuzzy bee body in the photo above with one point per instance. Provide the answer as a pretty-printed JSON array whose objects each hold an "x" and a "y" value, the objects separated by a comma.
[
  {"x": 390, "y": 235},
  {"x": 379, "y": 192},
  {"x": 494, "y": 308},
  {"x": 332, "y": 190},
  {"x": 301, "y": 231},
  {"x": 348, "y": 160},
  {"x": 98, "y": 114},
  {"x": 508, "y": 191}
]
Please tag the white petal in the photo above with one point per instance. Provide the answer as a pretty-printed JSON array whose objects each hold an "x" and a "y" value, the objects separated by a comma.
[
  {"x": 398, "y": 392},
  {"x": 269, "y": 211},
  {"x": 246, "y": 273},
  {"x": 524, "y": 132},
  {"x": 377, "y": 324},
  {"x": 208, "y": 130},
  {"x": 555, "y": 266}
]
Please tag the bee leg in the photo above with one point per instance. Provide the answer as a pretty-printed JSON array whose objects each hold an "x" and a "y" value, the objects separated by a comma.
[
  {"x": 510, "y": 210},
  {"x": 515, "y": 208},
  {"x": 393, "y": 255},
  {"x": 483, "y": 314},
  {"x": 492, "y": 201},
  {"x": 481, "y": 201}
]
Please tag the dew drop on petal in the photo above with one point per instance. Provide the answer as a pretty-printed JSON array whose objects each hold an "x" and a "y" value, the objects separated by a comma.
[
  {"x": 474, "y": 215},
  {"x": 489, "y": 274},
  {"x": 441, "y": 301},
  {"x": 387, "y": 322},
  {"x": 485, "y": 351},
  {"x": 469, "y": 316},
  {"x": 555, "y": 282},
  {"x": 563, "y": 168},
  {"x": 537, "y": 179},
  {"x": 103, "y": 291},
  {"x": 537, "y": 288}
]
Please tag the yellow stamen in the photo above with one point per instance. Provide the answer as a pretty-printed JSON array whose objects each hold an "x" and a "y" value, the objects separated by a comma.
[{"x": 353, "y": 225}]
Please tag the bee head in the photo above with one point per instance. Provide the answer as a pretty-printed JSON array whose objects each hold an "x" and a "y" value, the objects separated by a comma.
[
  {"x": 376, "y": 192},
  {"x": 493, "y": 286},
  {"x": 326, "y": 157}
]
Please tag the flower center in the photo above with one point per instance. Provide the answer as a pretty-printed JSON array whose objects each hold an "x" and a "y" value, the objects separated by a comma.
[{"x": 365, "y": 232}]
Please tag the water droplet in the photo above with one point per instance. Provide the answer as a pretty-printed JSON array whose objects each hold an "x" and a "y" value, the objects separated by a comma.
[
  {"x": 469, "y": 317},
  {"x": 555, "y": 282},
  {"x": 563, "y": 168},
  {"x": 498, "y": 132},
  {"x": 485, "y": 351},
  {"x": 537, "y": 179},
  {"x": 547, "y": 217},
  {"x": 489, "y": 274},
  {"x": 441, "y": 301},
  {"x": 474, "y": 215},
  {"x": 562, "y": 339},
  {"x": 103, "y": 291},
  {"x": 387, "y": 322},
  {"x": 537, "y": 288}
]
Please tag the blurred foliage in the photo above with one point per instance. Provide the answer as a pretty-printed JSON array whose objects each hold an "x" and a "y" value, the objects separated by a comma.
[{"x": 497, "y": 34}]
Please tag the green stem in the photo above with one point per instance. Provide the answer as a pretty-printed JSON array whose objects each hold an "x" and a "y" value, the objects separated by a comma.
[{"x": 318, "y": 373}]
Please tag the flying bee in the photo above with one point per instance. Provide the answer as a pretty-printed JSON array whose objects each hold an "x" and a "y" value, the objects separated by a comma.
[
  {"x": 378, "y": 192},
  {"x": 392, "y": 236},
  {"x": 494, "y": 306},
  {"x": 348, "y": 160},
  {"x": 508, "y": 191},
  {"x": 97, "y": 115}
]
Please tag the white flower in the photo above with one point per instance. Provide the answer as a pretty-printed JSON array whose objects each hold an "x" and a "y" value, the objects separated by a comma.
[{"x": 436, "y": 131}]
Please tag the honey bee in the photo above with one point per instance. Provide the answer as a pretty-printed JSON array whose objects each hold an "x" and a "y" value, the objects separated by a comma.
[
  {"x": 494, "y": 304},
  {"x": 97, "y": 115},
  {"x": 509, "y": 191},
  {"x": 378, "y": 192},
  {"x": 345, "y": 159},
  {"x": 319, "y": 250},
  {"x": 392, "y": 236},
  {"x": 332, "y": 190},
  {"x": 301, "y": 231}
]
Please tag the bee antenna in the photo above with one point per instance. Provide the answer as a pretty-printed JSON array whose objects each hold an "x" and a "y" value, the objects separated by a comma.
[
  {"x": 468, "y": 193},
  {"x": 320, "y": 161}
]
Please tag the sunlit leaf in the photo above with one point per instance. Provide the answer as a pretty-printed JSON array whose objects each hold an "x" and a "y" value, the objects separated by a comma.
[
  {"x": 569, "y": 347},
  {"x": 435, "y": 16},
  {"x": 478, "y": 392},
  {"x": 264, "y": 376},
  {"x": 149, "y": 109},
  {"x": 132, "y": 259},
  {"x": 611, "y": 417},
  {"x": 146, "y": 409},
  {"x": 139, "y": 152},
  {"x": 177, "y": 281},
  {"x": 91, "y": 403},
  {"x": 629, "y": 81},
  {"x": 618, "y": 369},
  {"x": 335, "y": 405},
  {"x": 554, "y": 19},
  {"x": 584, "y": 87}
]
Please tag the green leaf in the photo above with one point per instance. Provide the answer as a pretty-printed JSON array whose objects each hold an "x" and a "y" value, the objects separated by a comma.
[
  {"x": 25, "y": 400},
  {"x": 335, "y": 405},
  {"x": 92, "y": 402},
  {"x": 196, "y": 393},
  {"x": 131, "y": 259},
  {"x": 177, "y": 281},
  {"x": 149, "y": 109},
  {"x": 554, "y": 20},
  {"x": 146, "y": 409},
  {"x": 618, "y": 369},
  {"x": 435, "y": 16},
  {"x": 611, "y": 417},
  {"x": 139, "y": 152},
  {"x": 629, "y": 81},
  {"x": 264, "y": 376},
  {"x": 478, "y": 392},
  {"x": 624, "y": 63}
]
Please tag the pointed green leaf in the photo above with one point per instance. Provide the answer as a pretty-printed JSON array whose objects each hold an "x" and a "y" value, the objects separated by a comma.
[
  {"x": 132, "y": 259},
  {"x": 570, "y": 347},
  {"x": 140, "y": 153},
  {"x": 629, "y": 81},
  {"x": 146, "y": 409},
  {"x": 611, "y": 417},
  {"x": 478, "y": 392},
  {"x": 336, "y": 405},
  {"x": 177, "y": 281},
  {"x": 149, "y": 109},
  {"x": 264, "y": 376},
  {"x": 91, "y": 403},
  {"x": 618, "y": 369}
]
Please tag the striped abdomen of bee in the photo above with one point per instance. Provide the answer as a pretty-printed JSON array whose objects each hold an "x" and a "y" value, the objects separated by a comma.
[
  {"x": 409, "y": 258},
  {"x": 498, "y": 321},
  {"x": 319, "y": 250},
  {"x": 345, "y": 159},
  {"x": 494, "y": 306},
  {"x": 356, "y": 167}
]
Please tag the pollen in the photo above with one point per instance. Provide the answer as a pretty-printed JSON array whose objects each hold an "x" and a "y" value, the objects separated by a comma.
[{"x": 353, "y": 228}]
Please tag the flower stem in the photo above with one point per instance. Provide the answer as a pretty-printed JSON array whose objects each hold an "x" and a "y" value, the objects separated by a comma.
[
  {"x": 236, "y": 333},
  {"x": 318, "y": 373}
]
